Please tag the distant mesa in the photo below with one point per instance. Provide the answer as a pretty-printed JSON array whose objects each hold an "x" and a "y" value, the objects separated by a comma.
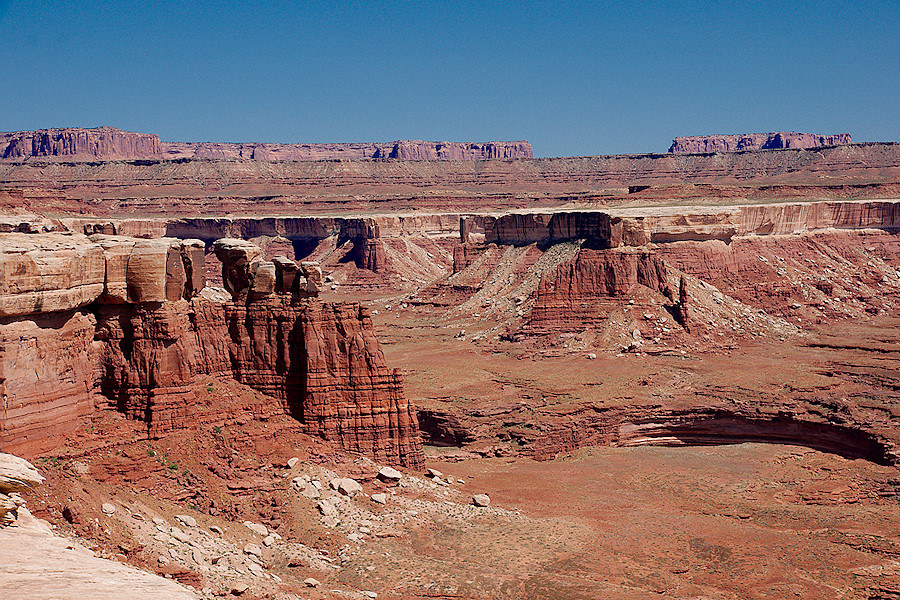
[
  {"x": 701, "y": 144},
  {"x": 109, "y": 143}
]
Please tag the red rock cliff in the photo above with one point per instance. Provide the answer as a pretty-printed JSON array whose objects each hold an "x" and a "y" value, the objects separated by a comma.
[
  {"x": 109, "y": 143},
  {"x": 85, "y": 319},
  {"x": 699, "y": 144},
  {"x": 404, "y": 150},
  {"x": 573, "y": 296},
  {"x": 324, "y": 363},
  {"x": 76, "y": 143}
]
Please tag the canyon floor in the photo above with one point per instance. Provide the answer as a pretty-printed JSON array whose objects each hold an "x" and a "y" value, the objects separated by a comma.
[
  {"x": 748, "y": 520},
  {"x": 673, "y": 376}
]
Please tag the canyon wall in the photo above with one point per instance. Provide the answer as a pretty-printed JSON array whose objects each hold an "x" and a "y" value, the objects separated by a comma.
[
  {"x": 122, "y": 322},
  {"x": 209, "y": 187},
  {"x": 698, "y": 144},
  {"x": 613, "y": 228},
  {"x": 574, "y": 295},
  {"x": 111, "y": 144}
]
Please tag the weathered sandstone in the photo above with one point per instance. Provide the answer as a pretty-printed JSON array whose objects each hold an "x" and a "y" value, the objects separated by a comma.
[
  {"x": 574, "y": 295},
  {"x": 17, "y": 474},
  {"x": 321, "y": 360},
  {"x": 146, "y": 336},
  {"x": 326, "y": 366},
  {"x": 47, "y": 373},
  {"x": 48, "y": 273}
]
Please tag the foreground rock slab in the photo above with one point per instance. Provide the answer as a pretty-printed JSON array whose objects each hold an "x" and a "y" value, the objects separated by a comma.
[{"x": 45, "y": 566}]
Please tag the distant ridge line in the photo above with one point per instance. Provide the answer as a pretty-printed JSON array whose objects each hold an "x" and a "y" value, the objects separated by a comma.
[{"x": 110, "y": 143}]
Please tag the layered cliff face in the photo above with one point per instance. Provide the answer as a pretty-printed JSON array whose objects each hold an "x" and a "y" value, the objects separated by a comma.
[
  {"x": 109, "y": 319},
  {"x": 696, "y": 144},
  {"x": 403, "y": 150},
  {"x": 321, "y": 360},
  {"x": 47, "y": 374},
  {"x": 324, "y": 364},
  {"x": 76, "y": 143},
  {"x": 578, "y": 293},
  {"x": 73, "y": 311},
  {"x": 109, "y": 143},
  {"x": 188, "y": 188}
]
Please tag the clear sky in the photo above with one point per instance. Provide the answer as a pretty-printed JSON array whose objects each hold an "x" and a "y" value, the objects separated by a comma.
[{"x": 573, "y": 78}]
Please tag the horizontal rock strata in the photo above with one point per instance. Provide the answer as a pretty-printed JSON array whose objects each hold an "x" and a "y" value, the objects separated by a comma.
[
  {"x": 109, "y": 144},
  {"x": 755, "y": 141},
  {"x": 101, "y": 143},
  {"x": 127, "y": 322}
]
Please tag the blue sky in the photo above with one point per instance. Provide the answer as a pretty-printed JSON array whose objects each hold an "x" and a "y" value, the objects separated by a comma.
[{"x": 574, "y": 78}]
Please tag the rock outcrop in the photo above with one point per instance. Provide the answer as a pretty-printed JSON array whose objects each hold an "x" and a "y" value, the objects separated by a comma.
[
  {"x": 321, "y": 360},
  {"x": 76, "y": 143},
  {"x": 402, "y": 150},
  {"x": 47, "y": 373},
  {"x": 574, "y": 295},
  {"x": 49, "y": 273},
  {"x": 16, "y": 475},
  {"x": 109, "y": 144},
  {"x": 324, "y": 363},
  {"x": 697, "y": 144},
  {"x": 88, "y": 320}
]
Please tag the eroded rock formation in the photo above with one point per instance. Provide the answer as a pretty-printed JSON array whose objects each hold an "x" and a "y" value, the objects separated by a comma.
[
  {"x": 109, "y": 143},
  {"x": 695, "y": 144},
  {"x": 77, "y": 143},
  {"x": 109, "y": 319},
  {"x": 573, "y": 295},
  {"x": 321, "y": 360}
]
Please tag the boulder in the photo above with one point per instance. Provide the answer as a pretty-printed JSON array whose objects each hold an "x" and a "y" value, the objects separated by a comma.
[
  {"x": 481, "y": 500},
  {"x": 17, "y": 474},
  {"x": 187, "y": 520},
  {"x": 389, "y": 474},
  {"x": 310, "y": 491},
  {"x": 257, "y": 528},
  {"x": 349, "y": 487}
]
